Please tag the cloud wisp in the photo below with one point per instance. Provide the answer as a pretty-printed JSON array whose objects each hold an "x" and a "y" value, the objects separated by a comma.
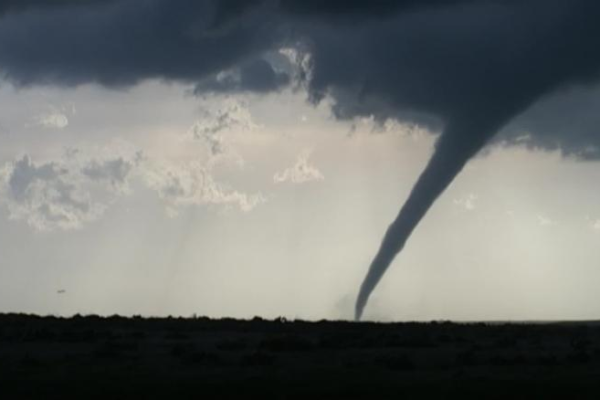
[
  {"x": 213, "y": 125},
  {"x": 301, "y": 172}
]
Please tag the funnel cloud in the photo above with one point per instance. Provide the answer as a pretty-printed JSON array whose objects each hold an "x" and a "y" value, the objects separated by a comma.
[{"x": 449, "y": 158}]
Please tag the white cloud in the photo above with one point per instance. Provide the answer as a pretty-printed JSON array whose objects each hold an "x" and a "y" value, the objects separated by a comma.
[
  {"x": 75, "y": 188},
  {"x": 47, "y": 195},
  {"x": 466, "y": 202},
  {"x": 67, "y": 192},
  {"x": 595, "y": 225},
  {"x": 54, "y": 117},
  {"x": 112, "y": 171},
  {"x": 545, "y": 221},
  {"x": 78, "y": 187},
  {"x": 300, "y": 172},
  {"x": 193, "y": 184},
  {"x": 52, "y": 120}
]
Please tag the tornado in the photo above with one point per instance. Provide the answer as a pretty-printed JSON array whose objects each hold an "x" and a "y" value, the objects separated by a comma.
[{"x": 458, "y": 143}]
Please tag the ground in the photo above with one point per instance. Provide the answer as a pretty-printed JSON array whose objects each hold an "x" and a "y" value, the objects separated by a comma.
[{"x": 117, "y": 357}]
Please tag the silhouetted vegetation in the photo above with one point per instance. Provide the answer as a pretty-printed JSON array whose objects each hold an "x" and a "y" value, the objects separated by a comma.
[{"x": 116, "y": 357}]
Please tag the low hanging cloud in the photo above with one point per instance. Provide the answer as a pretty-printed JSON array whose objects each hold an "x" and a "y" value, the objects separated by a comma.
[{"x": 301, "y": 172}]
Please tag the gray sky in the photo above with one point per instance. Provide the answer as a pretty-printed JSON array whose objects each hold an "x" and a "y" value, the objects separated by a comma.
[
  {"x": 259, "y": 178},
  {"x": 515, "y": 236}
]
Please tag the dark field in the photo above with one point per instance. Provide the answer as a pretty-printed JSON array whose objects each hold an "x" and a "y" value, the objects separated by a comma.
[{"x": 94, "y": 357}]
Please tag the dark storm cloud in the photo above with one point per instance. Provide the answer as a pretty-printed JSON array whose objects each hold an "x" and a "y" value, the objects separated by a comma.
[
  {"x": 431, "y": 59},
  {"x": 229, "y": 11},
  {"x": 360, "y": 8},
  {"x": 124, "y": 42},
  {"x": 454, "y": 59},
  {"x": 467, "y": 68},
  {"x": 567, "y": 121},
  {"x": 7, "y": 6}
]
